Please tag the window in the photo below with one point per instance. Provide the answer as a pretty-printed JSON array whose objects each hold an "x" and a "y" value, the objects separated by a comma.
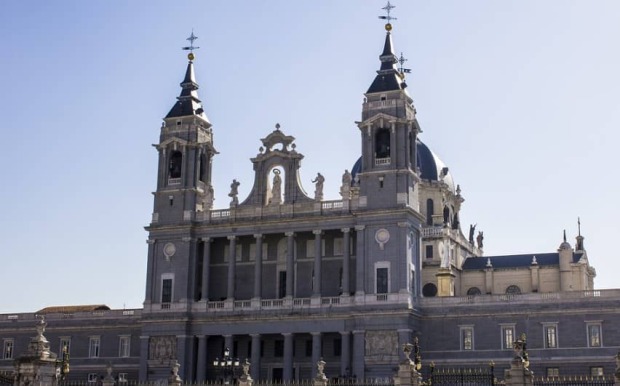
[
  {"x": 553, "y": 372},
  {"x": 166, "y": 288},
  {"x": 429, "y": 251},
  {"x": 338, "y": 246},
  {"x": 513, "y": 290},
  {"x": 309, "y": 347},
  {"x": 473, "y": 291},
  {"x": 337, "y": 347},
  {"x": 508, "y": 337},
  {"x": 122, "y": 377},
  {"x": 430, "y": 211},
  {"x": 174, "y": 167},
  {"x": 467, "y": 337},
  {"x": 594, "y": 335},
  {"x": 64, "y": 347},
  {"x": 93, "y": 347},
  {"x": 596, "y": 371},
  {"x": 123, "y": 346},
  {"x": 382, "y": 280},
  {"x": 551, "y": 335},
  {"x": 253, "y": 251},
  {"x": 8, "y": 349},
  {"x": 382, "y": 144},
  {"x": 429, "y": 290},
  {"x": 278, "y": 349}
]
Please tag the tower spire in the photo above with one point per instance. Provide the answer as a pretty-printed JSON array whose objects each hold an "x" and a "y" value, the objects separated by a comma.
[{"x": 188, "y": 103}]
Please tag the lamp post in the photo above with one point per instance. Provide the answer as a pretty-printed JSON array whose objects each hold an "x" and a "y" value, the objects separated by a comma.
[
  {"x": 227, "y": 366},
  {"x": 63, "y": 363}
]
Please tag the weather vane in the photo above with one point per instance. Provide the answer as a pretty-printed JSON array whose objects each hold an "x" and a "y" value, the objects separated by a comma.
[
  {"x": 388, "y": 8},
  {"x": 191, "y": 46},
  {"x": 402, "y": 61}
]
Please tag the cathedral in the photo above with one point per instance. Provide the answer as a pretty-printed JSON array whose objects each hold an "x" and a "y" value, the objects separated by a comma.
[{"x": 284, "y": 278}]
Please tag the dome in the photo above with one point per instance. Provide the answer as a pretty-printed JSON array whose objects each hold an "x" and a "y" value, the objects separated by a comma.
[{"x": 431, "y": 167}]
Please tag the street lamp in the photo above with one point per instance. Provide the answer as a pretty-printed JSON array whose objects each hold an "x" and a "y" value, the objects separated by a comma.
[
  {"x": 227, "y": 366},
  {"x": 63, "y": 363}
]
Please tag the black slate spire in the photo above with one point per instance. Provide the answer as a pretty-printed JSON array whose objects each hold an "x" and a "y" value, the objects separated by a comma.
[{"x": 388, "y": 77}]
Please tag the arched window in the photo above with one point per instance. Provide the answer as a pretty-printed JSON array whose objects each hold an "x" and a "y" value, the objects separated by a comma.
[
  {"x": 513, "y": 290},
  {"x": 430, "y": 211},
  {"x": 202, "y": 173},
  {"x": 382, "y": 143},
  {"x": 473, "y": 291},
  {"x": 174, "y": 166},
  {"x": 429, "y": 290}
]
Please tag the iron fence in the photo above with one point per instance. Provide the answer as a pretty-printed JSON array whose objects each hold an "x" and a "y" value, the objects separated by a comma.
[{"x": 574, "y": 380}]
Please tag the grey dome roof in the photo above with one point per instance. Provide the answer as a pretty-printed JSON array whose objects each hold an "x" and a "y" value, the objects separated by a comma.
[{"x": 431, "y": 167}]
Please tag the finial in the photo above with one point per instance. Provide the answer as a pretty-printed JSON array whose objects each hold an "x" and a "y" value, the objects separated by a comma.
[
  {"x": 388, "y": 8},
  {"x": 401, "y": 69},
  {"x": 191, "y": 46},
  {"x": 277, "y": 126},
  {"x": 578, "y": 226},
  {"x": 564, "y": 235}
]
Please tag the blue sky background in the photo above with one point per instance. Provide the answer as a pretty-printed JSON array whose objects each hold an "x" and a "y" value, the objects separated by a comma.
[{"x": 521, "y": 99}]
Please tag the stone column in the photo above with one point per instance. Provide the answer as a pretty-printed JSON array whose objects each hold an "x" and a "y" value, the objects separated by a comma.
[
  {"x": 345, "y": 354},
  {"x": 232, "y": 259},
  {"x": 258, "y": 272},
  {"x": 144, "y": 355},
  {"x": 206, "y": 268},
  {"x": 346, "y": 261},
  {"x": 150, "y": 262},
  {"x": 228, "y": 343},
  {"x": 288, "y": 357},
  {"x": 255, "y": 369},
  {"x": 359, "y": 350},
  {"x": 201, "y": 360},
  {"x": 316, "y": 290},
  {"x": 360, "y": 261},
  {"x": 290, "y": 264},
  {"x": 316, "y": 350}
]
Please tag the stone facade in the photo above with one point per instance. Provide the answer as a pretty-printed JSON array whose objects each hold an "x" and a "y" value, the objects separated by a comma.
[{"x": 284, "y": 278}]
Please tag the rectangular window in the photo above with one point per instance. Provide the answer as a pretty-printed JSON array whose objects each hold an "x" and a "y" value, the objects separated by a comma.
[
  {"x": 123, "y": 346},
  {"x": 596, "y": 371},
  {"x": 429, "y": 251},
  {"x": 508, "y": 337},
  {"x": 166, "y": 291},
  {"x": 382, "y": 281},
  {"x": 551, "y": 336},
  {"x": 467, "y": 338},
  {"x": 594, "y": 335},
  {"x": 553, "y": 372},
  {"x": 93, "y": 347},
  {"x": 8, "y": 349},
  {"x": 337, "y": 347},
  {"x": 278, "y": 348},
  {"x": 65, "y": 346},
  {"x": 338, "y": 246},
  {"x": 92, "y": 377},
  {"x": 253, "y": 251}
]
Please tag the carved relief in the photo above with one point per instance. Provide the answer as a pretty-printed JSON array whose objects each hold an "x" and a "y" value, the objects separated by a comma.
[
  {"x": 381, "y": 345},
  {"x": 163, "y": 347}
]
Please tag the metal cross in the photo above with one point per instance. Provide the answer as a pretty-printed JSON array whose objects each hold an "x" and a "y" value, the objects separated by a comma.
[
  {"x": 388, "y": 8},
  {"x": 402, "y": 61},
  {"x": 191, "y": 39}
]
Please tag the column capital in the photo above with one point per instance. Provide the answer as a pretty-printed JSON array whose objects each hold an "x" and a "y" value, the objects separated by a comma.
[
  {"x": 359, "y": 331},
  {"x": 289, "y": 234},
  {"x": 255, "y": 335},
  {"x": 317, "y": 231},
  {"x": 316, "y": 333},
  {"x": 231, "y": 238},
  {"x": 404, "y": 330},
  {"x": 345, "y": 230},
  {"x": 285, "y": 334},
  {"x": 206, "y": 239},
  {"x": 201, "y": 337},
  {"x": 345, "y": 332},
  {"x": 151, "y": 241},
  {"x": 144, "y": 337},
  {"x": 258, "y": 236},
  {"x": 187, "y": 239},
  {"x": 360, "y": 227}
]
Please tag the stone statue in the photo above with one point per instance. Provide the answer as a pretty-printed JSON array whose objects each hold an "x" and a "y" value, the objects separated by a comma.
[
  {"x": 209, "y": 198},
  {"x": 472, "y": 229},
  {"x": 479, "y": 239},
  {"x": 345, "y": 189},
  {"x": 276, "y": 190},
  {"x": 318, "y": 189},
  {"x": 234, "y": 192}
]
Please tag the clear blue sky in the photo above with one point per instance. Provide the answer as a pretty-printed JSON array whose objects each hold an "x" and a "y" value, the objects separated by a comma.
[{"x": 520, "y": 98}]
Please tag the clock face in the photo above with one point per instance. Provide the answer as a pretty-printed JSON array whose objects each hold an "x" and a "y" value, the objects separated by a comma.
[{"x": 169, "y": 250}]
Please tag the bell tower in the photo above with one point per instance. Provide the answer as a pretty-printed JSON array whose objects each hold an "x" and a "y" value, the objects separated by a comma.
[
  {"x": 185, "y": 155},
  {"x": 389, "y": 129}
]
